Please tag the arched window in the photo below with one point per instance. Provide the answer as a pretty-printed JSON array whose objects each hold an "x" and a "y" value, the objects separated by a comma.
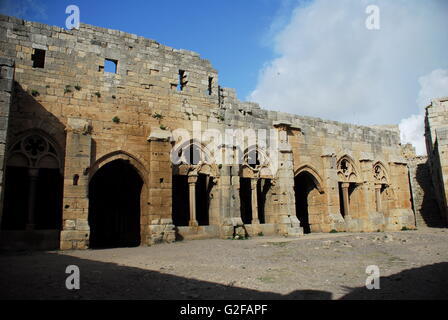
[
  {"x": 349, "y": 193},
  {"x": 33, "y": 184}
]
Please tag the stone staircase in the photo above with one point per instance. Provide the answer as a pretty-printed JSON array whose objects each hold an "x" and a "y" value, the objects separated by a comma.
[
  {"x": 427, "y": 213},
  {"x": 430, "y": 217}
]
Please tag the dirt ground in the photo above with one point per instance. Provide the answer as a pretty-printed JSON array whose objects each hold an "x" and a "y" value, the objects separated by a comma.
[{"x": 412, "y": 264}]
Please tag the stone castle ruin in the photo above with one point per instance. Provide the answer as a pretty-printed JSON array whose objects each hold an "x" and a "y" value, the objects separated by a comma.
[{"x": 87, "y": 152}]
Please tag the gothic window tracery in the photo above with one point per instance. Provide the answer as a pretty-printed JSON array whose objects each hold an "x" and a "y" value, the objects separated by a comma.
[
  {"x": 346, "y": 170},
  {"x": 379, "y": 174},
  {"x": 38, "y": 151}
]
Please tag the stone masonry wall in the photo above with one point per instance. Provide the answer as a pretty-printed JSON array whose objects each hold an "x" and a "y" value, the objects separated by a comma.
[
  {"x": 6, "y": 85},
  {"x": 436, "y": 135},
  {"x": 424, "y": 199},
  {"x": 96, "y": 117}
]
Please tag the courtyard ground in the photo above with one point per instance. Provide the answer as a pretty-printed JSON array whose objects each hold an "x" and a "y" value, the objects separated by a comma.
[{"x": 413, "y": 265}]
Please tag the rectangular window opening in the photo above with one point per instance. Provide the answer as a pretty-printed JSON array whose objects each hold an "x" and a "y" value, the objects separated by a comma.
[
  {"x": 110, "y": 65},
  {"x": 210, "y": 86},
  {"x": 182, "y": 80},
  {"x": 38, "y": 58}
]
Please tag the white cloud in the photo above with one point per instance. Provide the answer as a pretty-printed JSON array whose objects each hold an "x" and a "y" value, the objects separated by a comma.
[
  {"x": 331, "y": 66},
  {"x": 412, "y": 130},
  {"x": 432, "y": 86}
]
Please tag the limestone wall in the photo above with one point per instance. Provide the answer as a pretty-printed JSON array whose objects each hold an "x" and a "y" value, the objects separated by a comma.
[
  {"x": 436, "y": 135},
  {"x": 95, "y": 117},
  {"x": 426, "y": 209},
  {"x": 6, "y": 87}
]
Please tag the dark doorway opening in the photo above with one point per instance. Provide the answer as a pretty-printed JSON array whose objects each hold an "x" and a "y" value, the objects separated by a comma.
[
  {"x": 202, "y": 201},
  {"x": 303, "y": 185},
  {"x": 341, "y": 199},
  {"x": 181, "y": 201},
  {"x": 114, "y": 206},
  {"x": 246, "y": 200},
  {"x": 48, "y": 199},
  {"x": 263, "y": 186},
  {"x": 15, "y": 209}
]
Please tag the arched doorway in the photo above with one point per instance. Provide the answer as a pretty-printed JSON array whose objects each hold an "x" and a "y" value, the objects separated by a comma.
[
  {"x": 304, "y": 187},
  {"x": 193, "y": 182},
  {"x": 262, "y": 190},
  {"x": 255, "y": 186},
  {"x": 114, "y": 205}
]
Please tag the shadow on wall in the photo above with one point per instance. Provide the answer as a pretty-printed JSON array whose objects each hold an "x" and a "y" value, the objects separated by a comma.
[
  {"x": 42, "y": 276},
  {"x": 27, "y": 114},
  {"x": 429, "y": 211}
]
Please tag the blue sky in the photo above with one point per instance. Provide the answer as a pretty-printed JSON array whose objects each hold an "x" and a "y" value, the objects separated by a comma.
[
  {"x": 233, "y": 34},
  {"x": 308, "y": 57}
]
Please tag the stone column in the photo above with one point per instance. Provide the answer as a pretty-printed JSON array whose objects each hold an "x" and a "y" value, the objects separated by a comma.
[
  {"x": 346, "y": 200},
  {"x": 156, "y": 213},
  {"x": 378, "y": 197},
  {"x": 253, "y": 185},
  {"x": 281, "y": 157},
  {"x": 76, "y": 230},
  {"x": 6, "y": 90},
  {"x": 192, "y": 189},
  {"x": 33, "y": 175}
]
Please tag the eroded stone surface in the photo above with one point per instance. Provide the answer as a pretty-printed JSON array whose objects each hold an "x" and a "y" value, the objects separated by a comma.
[{"x": 355, "y": 178}]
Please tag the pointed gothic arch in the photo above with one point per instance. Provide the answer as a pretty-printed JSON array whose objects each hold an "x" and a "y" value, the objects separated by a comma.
[
  {"x": 347, "y": 169},
  {"x": 349, "y": 182},
  {"x": 33, "y": 183},
  {"x": 313, "y": 174}
]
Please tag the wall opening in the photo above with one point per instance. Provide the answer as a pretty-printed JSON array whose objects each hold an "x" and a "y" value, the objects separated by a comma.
[
  {"x": 49, "y": 199},
  {"x": 303, "y": 186},
  {"x": 75, "y": 179},
  {"x": 38, "y": 58},
  {"x": 181, "y": 203},
  {"x": 210, "y": 86},
  {"x": 354, "y": 199},
  {"x": 114, "y": 206},
  {"x": 245, "y": 200},
  {"x": 263, "y": 186},
  {"x": 192, "y": 154},
  {"x": 253, "y": 158},
  {"x": 182, "y": 82},
  {"x": 33, "y": 186},
  {"x": 16, "y": 190},
  {"x": 341, "y": 200},
  {"x": 110, "y": 65},
  {"x": 202, "y": 200}
]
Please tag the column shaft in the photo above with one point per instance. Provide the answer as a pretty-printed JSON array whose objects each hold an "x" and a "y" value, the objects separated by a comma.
[
  {"x": 378, "y": 197},
  {"x": 346, "y": 199},
  {"x": 192, "y": 189},
  {"x": 254, "y": 197}
]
